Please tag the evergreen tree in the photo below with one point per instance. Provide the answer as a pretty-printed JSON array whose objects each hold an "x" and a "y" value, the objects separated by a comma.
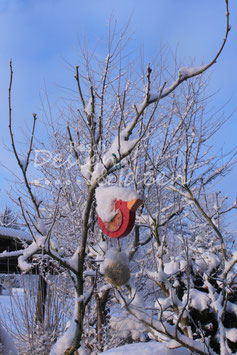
[{"x": 8, "y": 219}]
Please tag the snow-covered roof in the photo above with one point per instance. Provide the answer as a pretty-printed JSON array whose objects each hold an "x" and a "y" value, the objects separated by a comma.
[{"x": 15, "y": 234}]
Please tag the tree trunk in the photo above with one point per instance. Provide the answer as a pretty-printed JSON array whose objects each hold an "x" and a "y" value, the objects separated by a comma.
[
  {"x": 101, "y": 313},
  {"x": 41, "y": 299}
]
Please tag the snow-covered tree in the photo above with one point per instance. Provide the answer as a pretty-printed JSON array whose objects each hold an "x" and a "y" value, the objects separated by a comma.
[
  {"x": 150, "y": 133},
  {"x": 8, "y": 219}
]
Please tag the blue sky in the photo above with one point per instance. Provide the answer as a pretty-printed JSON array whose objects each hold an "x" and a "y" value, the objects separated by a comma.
[{"x": 38, "y": 34}]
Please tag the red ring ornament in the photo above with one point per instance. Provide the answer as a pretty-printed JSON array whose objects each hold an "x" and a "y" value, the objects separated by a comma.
[{"x": 123, "y": 222}]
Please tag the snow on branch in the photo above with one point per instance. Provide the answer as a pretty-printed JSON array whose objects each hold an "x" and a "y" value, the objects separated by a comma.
[
  {"x": 65, "y": 341},
  {"x": 120, "y": 148},
  {"x": 89, "y": 107},
  {"x": 229, "y": 266},
  {"x": 10, "y": 254},
  {"x": 157, "y": 327},
  {"x": 28, "y": 252}
]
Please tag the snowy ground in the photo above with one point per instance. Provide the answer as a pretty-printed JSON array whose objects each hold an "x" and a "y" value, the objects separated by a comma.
[{"x": 150, "y": 348}]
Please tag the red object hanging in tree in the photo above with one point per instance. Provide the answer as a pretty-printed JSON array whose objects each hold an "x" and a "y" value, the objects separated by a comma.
[{"x": 123, "y": 222}]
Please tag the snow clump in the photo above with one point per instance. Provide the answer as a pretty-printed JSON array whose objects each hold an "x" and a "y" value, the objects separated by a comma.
[{"x": 106, "y": 198}]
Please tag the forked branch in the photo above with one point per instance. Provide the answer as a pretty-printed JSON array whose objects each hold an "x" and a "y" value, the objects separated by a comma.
[{"x": 22, "y": 164}]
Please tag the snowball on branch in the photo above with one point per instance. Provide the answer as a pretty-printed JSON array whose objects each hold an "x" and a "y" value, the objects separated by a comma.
[{"x": 116, "y": 267}]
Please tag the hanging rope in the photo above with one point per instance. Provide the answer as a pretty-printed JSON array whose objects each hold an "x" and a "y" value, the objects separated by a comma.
[{"x": 117, "y": 166}]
